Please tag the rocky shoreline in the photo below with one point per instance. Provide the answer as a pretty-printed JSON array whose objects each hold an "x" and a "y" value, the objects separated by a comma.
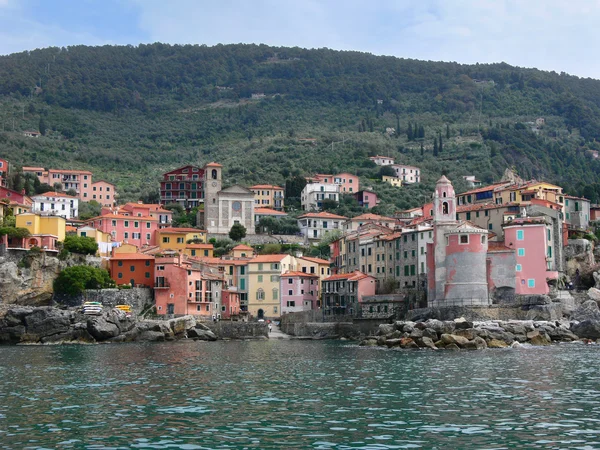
[
  {"x": 584, "y": 325},
  {"x": 47, "y": 325}
]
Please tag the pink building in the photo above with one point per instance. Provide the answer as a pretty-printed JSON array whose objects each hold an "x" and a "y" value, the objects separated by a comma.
[
  {"x": 531, "y": 238},
  {"x": 342, "y": 293},
  {"x": 104, "y": 193},
  {"x": 78, "y": 180},
  {"x": 366, "y": 198},
  {"x": 299, "y": 292},
  {"x": 347, "y": 182},
  {"x": 139, "y": 209},
  {"x": 181, "y": 289},
  {"x": 231, "y": 304},
  {"x": 3, "y": 171},
  {"x": 134, "y": 230}
]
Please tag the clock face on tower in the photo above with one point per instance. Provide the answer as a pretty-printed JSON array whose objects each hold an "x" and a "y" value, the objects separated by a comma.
[
  {"x": 214, "y": 183},
  {"x": 236, "y": 206}
]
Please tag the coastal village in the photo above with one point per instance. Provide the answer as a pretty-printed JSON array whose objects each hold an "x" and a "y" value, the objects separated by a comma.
[{"x": 491, "y": 245}]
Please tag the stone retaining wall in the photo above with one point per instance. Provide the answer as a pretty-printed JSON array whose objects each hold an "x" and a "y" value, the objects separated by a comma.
[
  {"x": 138, "y": 298},
  {"x": 239, "y": 330}
]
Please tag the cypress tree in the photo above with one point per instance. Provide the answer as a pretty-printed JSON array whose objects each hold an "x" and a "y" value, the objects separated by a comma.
[
  {"x": 409, "y": 132},
  {"x": 422, "y": 150},
  {"x": 397, "y": 126},
  {"x": 435, "y": 147},
  {"x": 447, "y": 131},
  {"x": 441, "y": 145}
]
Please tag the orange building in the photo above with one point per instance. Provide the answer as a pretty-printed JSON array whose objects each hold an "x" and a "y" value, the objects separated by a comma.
[{"x": 136, "y": 269}]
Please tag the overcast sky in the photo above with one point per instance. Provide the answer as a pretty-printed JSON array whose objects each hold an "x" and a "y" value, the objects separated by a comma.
[{"x": 554, "y": 35}]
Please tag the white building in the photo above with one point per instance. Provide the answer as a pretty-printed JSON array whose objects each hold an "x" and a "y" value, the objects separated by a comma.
[
  {"x": 315, "y": 225},
  {"x": 313, "y": 195},
  {"x": 56, "y": 204},
  {"x": 382, "y": 160},
  {"x": 409, "y": 174}
]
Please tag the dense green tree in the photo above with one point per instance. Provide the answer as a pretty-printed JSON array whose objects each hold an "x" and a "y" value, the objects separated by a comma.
[
  {"x": 74, "y": 280},
  {"x": 82, "y": 245},
  {"x": 42, "y": 126},
  {"x": 237, "y": 232}
]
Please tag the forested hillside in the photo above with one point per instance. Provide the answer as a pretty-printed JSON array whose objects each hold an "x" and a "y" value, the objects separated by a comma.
[{"x": 130, "y": 113}]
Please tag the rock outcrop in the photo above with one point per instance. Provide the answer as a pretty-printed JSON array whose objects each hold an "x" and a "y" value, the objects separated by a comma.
[
  {"x": 462, "y": 334},
  {"x": 45, "y": 325}
]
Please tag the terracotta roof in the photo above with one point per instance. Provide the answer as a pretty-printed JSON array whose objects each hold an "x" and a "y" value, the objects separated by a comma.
[
  {"x": 243, "y": 247},
  {"x": 369, "y": 216},
  {"x": 152, "y": 206},
  {"x": 121, "y": 216},
  {"x": 54, "y": 194},
  {"x": 300, "y": 274},
  {"x": 353, "y": 276},
  {"x": 131, "y": 256},
  {"x": 576, "y": 198},
  {"x": 482, "y": 206},
  {"x": 181, "y": 230},
  {"x": 378, "y": 156},
  {"x": 494, "y": 247},
  {"x": 391, "y": 237},
  {"x": 315, "y": 260},
  {"x": 200, "y": 246},
  {"x": 268, "y": 258},
  {"x": 213, "y": 164},
  {"x": 268, "y": 212},
  {"x": 87, "y": 172},
  {"x": 486, "y": 188},
  {"x": 70, "y": 229},
  {"x": 321, "y": 215},
  {"x": 266, "y": 186}
]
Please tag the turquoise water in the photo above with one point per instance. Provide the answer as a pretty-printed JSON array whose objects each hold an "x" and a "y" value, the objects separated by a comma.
[{"x": 297, "y": 394}]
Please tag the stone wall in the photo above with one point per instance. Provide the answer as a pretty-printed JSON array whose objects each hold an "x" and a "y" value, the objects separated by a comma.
[
  {"x": 549, "y": 311},
  {"x": 239, "y": 330},
  {"x": 322, "y": 330},
  {"x": 138, "y": 298}
]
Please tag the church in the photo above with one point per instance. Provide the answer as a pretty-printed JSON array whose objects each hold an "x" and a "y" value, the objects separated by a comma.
[
  {"x": 224, "y": 208},
  {"x": 464, "y": 268}
]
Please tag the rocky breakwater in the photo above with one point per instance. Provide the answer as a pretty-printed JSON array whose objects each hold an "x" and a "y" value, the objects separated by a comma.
[
  {"x": 462, "y": 334},
  {"x": 47, "y": 325}
]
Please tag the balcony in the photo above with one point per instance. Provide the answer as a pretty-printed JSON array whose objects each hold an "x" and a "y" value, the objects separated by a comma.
[{"x": 161, "y": 283}]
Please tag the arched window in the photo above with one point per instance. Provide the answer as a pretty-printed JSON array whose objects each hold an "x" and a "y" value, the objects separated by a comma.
[
  {"x": 260, "y": 294},
  {"x": 443, "y": 194},
  {"x": 445, "y": 208},
  {"x": 214, "y": 174}
]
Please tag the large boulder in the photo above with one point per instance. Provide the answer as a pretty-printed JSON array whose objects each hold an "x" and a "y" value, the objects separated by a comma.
[
  {"x": 540, "y": 339},
  {"x": 430, "y": 333},
  {"x": 182, "y": 324},
  {"x": 496, "y": 343},
  {"x": 589, "y": 329},
  {"x": 426, "y": 342},
  {"x": 594, "y": 294},
  {"x": 156, "y": 336},
  {"x": 476, "y": 344},
  {"x": 449, "y": 339},
  {"x": 588, "y": 310},
  {"x": 203, "y": 335},
  {"x": 101, "y": 328},
  {"x": 43, "y": 322},
  {"x": 386, "y": 328}
]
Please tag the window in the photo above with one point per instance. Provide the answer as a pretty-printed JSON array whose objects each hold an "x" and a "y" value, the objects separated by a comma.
[
  {"x": 165, "y": 240},
  {"x": 180, "y": 240},
  {"x": 290, "y": 281},
  {"x": 520, "y": 235},
  {"x": 260, "y": 278},
  {"x": 521, "y": 252},
  {"x": 147, "y": 263},
  {"x": 120, "y": 263},
  {"x": 147, "y": 224},
  {"x": 275, "y": 294},
  {"x": 126, "y": 235},
  {"x": 132, "y": 268},
  {"x": 260, "y": 294},
  {"x": 120, "y": 275},
  {"x": 273, "y": 278},
  {"x": 549, "y": 234},
  {"x": 127, "y": 224},
  {"x": 147, "y": 236},
  {"x": 519, "y": 268},
  {"x": 147, "y": 275},
  {"x": 531, "y": 283},
  {"x": 483, "y": 239},
  {"x": 260, "y": 266},
  {"x": 464, "y": 239},
  {"x": 549, "y": 251}
]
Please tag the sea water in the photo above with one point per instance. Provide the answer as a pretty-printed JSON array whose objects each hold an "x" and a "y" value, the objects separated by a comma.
[{"x": 297, "y": 394}]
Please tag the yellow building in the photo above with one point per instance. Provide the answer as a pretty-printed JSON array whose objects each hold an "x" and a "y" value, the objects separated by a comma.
[
  {"x": 264, "y": 290},
  {"x": 242, "y": 251},
  {"x": 268, "y": 196},
  {"x": 394, "y": 181},
  {"x": 528, "y": 191},
  {"x": 43, "y": 225},
  {"x": 317, "y": 266},
  {"x": 199, "y": 250},
  {"x": 104, "y": 240},
  {"x": 178, "y": 238}
]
